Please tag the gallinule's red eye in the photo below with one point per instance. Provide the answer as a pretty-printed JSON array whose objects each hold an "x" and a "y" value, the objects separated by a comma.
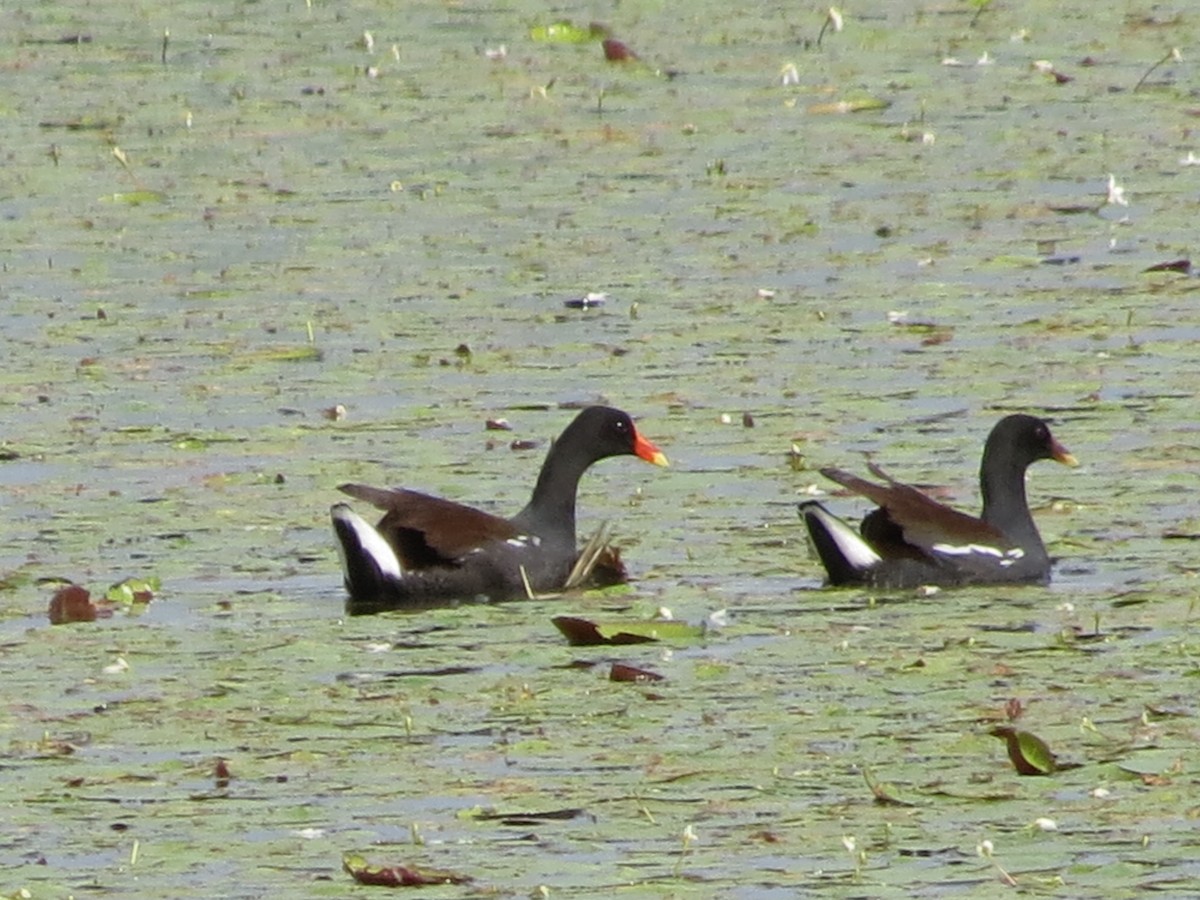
[
  {"x": 912, "y": 540},
  {"x": 427, "y": 550}
]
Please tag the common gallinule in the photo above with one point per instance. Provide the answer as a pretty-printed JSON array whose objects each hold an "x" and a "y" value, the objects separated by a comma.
[
  {"x": 913, "y": 540},
  {"x": 427, "y": 550}
]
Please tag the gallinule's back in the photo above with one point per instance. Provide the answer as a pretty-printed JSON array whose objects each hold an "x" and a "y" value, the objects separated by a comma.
[
  {"x": 912, "y": 540},
  {"x": 427, "y": 550}
]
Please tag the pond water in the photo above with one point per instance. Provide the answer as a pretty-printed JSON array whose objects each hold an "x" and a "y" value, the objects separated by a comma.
[{"x": 212, "y": 240}]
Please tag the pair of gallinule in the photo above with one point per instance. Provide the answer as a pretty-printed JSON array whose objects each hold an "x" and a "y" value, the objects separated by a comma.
[
  {"x": 427, "y": 550},
  {"x": 913, "y": 540}
]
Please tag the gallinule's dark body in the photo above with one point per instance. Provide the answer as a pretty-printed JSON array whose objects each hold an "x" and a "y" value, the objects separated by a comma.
[
  {"x": 427, "y": 550},
  {"x": 913, "y": 540}
]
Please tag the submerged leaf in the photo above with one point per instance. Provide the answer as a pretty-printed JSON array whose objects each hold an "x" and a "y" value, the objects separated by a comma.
[
  {"x": 137, "y": 198},
  {"x": 1028, "y": 753},
  {"x": 279, "y": 353}
]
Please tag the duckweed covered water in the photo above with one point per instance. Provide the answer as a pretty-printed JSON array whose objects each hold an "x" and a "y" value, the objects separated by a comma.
[{"x": 207, "y": 254}]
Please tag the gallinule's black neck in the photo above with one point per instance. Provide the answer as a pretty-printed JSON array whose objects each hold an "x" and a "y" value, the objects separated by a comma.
[
  {"x": 427, "y": 550},
  {"x": 912, "y": 540}
]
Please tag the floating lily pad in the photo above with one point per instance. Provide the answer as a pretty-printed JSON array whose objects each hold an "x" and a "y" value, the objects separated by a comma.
[
  {"x": 133, "y": 590},
  {"x": 563, "y": 32},
  {"x": 1029, "y": 754}
]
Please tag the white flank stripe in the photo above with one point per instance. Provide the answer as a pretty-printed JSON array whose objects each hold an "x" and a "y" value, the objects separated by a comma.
[{"x": 1007, "y": 557}]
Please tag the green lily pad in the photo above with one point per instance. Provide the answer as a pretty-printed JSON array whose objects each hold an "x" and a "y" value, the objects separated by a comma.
[
  {"x": 1029, "y": 754},
  {"x": 136, "y": 198},
  {"x": 563, "y": 32}
]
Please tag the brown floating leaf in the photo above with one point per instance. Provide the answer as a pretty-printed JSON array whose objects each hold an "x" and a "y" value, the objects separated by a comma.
[
  {"x": 623, "y": 672},
  {"x": 615, "y": 51},
  {"x": 72, "y": 604},
  {"x": 1175, "y": 265},
  {"x": 585, "y": 633},
  {"x": 1028, "y": 753},
  {"x": 397, "y": 876}
]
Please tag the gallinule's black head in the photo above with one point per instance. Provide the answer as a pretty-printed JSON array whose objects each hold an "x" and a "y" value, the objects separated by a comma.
[
  {"x": 427, "y": 550},
  {"x": 913, "y": 540}
]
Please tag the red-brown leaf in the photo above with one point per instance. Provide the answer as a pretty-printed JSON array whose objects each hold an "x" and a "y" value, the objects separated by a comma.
[
  {"x": 399, "y": 875},
  {"x": 623, "y": 672},
  {"x": 72, "y": 604},
  {"x": 615, "y": 51},
  {"x": 585, "y": 633}
]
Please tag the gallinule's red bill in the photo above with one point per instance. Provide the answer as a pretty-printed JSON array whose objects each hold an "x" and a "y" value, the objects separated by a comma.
[
  {"x": 427, "y": 550},
  {"x": 913, "y": 540}
]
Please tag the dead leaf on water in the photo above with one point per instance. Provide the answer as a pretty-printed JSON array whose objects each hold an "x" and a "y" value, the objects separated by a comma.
[
  {"x": 398, "y": 875},
  {"x": 72, "y": 604}
]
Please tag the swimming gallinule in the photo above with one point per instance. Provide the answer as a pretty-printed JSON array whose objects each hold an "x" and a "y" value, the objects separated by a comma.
[
  {"x": 427, "y": 550},
  {"x": 913, "y": 540}
]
